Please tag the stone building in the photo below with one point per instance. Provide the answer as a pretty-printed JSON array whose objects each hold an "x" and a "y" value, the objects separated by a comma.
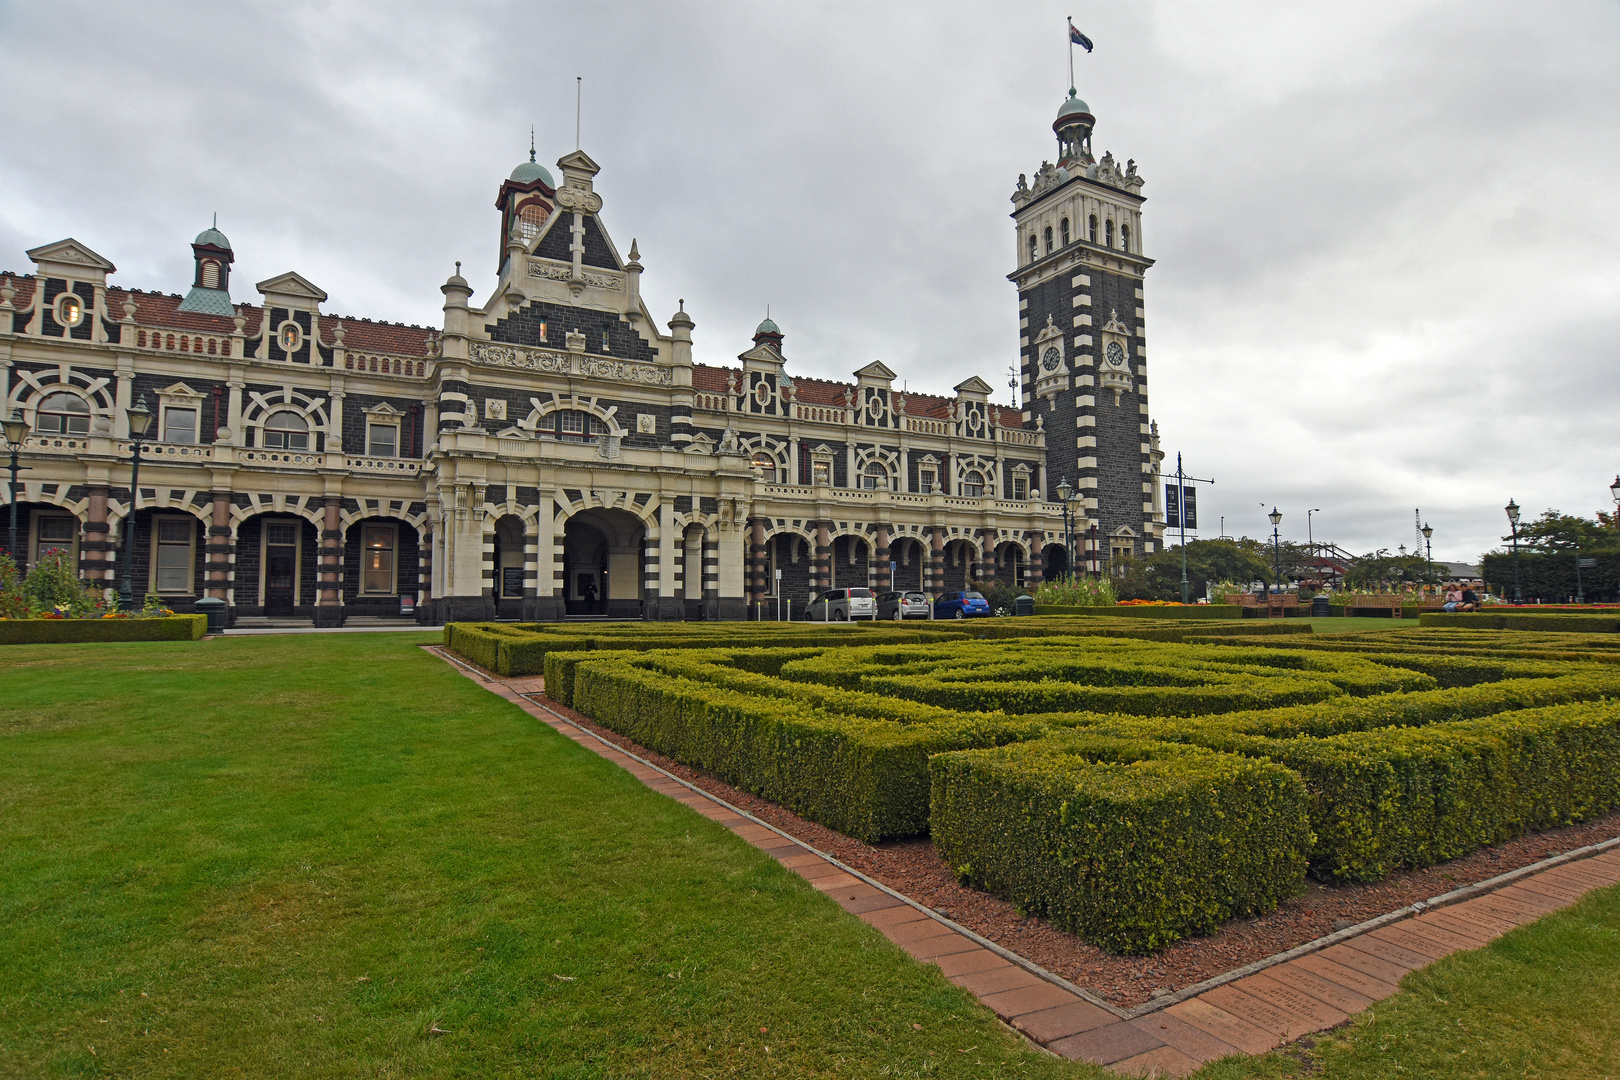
[{"x": 550, "y": 451}]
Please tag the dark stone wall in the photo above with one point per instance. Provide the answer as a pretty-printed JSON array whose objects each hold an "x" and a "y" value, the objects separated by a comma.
[
  {"x": 407, "y": 552},
  {"x": 525, "y": 325}
]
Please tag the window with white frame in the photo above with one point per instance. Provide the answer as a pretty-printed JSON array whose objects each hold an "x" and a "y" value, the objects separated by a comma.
[
  {"x": 377, "y": 560},
  {"x": 972, "y": 484},
  {"x": 180, "y": 426},
  {"x": 767, "y": 465},
  {"x": 286, "y": 430},
  {"x": 55, "y": 533},
  {"x": 821, "y": 470},
  {"x": 63, "y": 414},
  {"x": 927, "y": 478},
  {"x": 875, "y": 477},
  {"x": 173, "y": 553},
  {"x": 382, "y": 439},
  {"x": 1020, "y": 487},
  {"x": 531, "y": 219}
]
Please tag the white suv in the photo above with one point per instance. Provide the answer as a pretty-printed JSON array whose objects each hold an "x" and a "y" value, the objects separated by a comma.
[{"x": 839, "y": 605}]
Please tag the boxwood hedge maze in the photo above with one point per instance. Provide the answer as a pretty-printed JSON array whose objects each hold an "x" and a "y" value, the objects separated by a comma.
[{"x": 1132, "y": 789}]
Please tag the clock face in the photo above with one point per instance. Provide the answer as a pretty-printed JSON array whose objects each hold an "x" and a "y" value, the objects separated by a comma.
[
  {"x": 1116, "y": 354},
  {"x": 1051, "y": 360}
]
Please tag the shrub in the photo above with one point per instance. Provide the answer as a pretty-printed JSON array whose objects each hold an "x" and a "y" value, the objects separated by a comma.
[
  {"x": 71, "y": 631},
  {"x": 1131, "y": 844},
  {"x": 1077, "y": 592}
]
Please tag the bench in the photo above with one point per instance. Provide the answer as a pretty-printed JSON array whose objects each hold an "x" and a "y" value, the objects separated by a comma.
[
  {"x": 1272, "y": 605},
  {"x": 1373, "y": 604}
]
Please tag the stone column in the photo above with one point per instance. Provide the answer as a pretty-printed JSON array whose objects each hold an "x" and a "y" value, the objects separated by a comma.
[
  {"x": 934, "y": 580},
  {"x": 821, "y": 562},
  {"x": 757, "y": 564},
  {"x": 96, "y": 549},
  {"x": 220, "y": 548},
  {"x": 1037, "y": 562},
  {"x": 424, "y": 563},
  {"x": 329, "y": 611},
  {"x": 880, "y": 554},
  {"x": 987, "y": 565}
]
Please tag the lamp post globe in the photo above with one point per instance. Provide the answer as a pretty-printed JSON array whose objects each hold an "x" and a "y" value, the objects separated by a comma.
[
  {"x": 15, "y": 429},
  {"x": 1512, "y": 511},
  {"x": 140, "y": 422},
  {"x": 1428, "y": 549}
]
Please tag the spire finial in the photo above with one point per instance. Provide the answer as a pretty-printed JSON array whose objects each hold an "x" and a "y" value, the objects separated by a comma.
[
  {"x": 216, "y": 219},
  {"x": 531, "y": 142},
  {"x": 458, "y": 266}
]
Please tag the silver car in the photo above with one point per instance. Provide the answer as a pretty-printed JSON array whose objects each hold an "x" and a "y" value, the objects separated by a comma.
[
  {"x": 903, "y": 605},
  {"x": 841, "y": 605}
]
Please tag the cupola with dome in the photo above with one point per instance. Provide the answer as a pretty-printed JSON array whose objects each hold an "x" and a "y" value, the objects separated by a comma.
[
  {"x": 526, "y": 200},
  {"x": 1073, "y": 127},
  {"x": 210, "y": 287}
]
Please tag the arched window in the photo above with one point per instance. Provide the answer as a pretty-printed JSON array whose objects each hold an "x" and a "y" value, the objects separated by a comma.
[
  {"x": 1063, "y": 230},
  {"x": 531, "y": 219},
  {"x": 875, "y": 477},
  {"x": 63, "y": 414},
  {"x": 767, "y": 465},
  {"x": 210, "y": 274},
  {"x": 1124, "y": 238},
  {"x": 972, "y": 484},
  {"x": 1034, "y": 247},
  {"x": 1108, "y": 234},
  {"x": 1091, "y": 229},
  {"x": 1049, "y": 239},
  {"x": 286, "y": 430}
]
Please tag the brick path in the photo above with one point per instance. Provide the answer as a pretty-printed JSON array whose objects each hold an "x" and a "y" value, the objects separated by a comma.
[{"x": 1248, "y": 1011}]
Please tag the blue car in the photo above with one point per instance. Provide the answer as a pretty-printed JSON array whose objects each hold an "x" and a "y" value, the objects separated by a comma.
[{"x": 961, "y": 605}]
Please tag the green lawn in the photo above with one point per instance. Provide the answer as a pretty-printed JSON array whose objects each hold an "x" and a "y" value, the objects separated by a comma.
[
  {"x": 303, "y": 855},
  {"x": 1537, "y": 1003},
  {"x": 298, "y": 855}
]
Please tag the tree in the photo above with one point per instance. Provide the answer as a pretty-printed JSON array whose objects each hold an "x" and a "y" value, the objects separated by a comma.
[
  {"x": 1158, "y": 576},
  {"x": 1381, "y": 570}
]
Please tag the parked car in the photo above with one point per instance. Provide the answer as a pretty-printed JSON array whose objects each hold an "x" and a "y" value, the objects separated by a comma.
[
  {"x": 841, "y": 605},
  {"x": 902, "y": 605},
  {"x": 961, "y": 605}
]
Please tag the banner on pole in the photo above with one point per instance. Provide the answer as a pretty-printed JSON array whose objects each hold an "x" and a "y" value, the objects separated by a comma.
[{"x": 1175, "y": 509}]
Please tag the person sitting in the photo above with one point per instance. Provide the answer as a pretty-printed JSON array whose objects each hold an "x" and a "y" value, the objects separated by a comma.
[
  {"x": 1453, "y": 599},
  {"x": 1470, "y": 600}
]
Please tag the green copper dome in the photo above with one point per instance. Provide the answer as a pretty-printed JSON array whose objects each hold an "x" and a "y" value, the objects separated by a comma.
[
  {"x": 530, "y": 171},
  {"x": 213, "y": 238},
  {"x": 767, "y": 327},
  {"x": 1073, "y": 107}
]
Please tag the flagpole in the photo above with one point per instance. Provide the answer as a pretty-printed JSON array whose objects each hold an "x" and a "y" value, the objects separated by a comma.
[{"x": 1071, "y": 52}]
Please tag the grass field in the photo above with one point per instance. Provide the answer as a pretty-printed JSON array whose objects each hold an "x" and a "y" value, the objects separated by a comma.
[{"x": 310, "y": 855}]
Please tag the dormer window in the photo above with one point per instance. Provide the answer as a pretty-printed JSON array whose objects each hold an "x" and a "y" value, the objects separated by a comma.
[
  {"x": 1049, "y": 239},
  {"x": 1124, "y": 238},
  {"x": 290, "y": 336},
  {"x": 1091, "y": 229},
  {"x": 69, "y": 310},
  {"x": 210, "y": 274},
  {"x": 1063, "y": 231},
  {"x": 1108, "y": 234}
]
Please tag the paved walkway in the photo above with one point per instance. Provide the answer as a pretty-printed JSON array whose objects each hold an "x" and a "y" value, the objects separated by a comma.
[{"x": 1251, "y": 1010}]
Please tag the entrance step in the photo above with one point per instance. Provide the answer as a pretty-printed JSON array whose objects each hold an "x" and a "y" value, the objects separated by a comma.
[
  {"x": 381, "y": 620},
  {"x": 271, "y": 622}
]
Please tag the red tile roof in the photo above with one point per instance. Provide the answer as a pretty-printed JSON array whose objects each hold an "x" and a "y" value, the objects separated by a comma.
[
  {"x": 711, "y": 379},
  {"x": 365, "y": 335}
]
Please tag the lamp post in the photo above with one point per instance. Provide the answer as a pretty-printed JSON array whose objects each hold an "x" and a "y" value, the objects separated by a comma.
[
  {"x": 1276, "y": 541},
  {"x": 1428, "y": 548},
  {"x": 1512, "y": 510},
  {"x": 1065, "y": 492},
  {"x": 1614, "y": 493},
  {"x": 16, "y": 430},
  {"x": 140, "y": 420}
]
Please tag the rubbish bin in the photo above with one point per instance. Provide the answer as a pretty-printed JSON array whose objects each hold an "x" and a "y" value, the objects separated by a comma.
[
  {"x": 1024, "y": 605},
  {"x": 214, "y": 608},
  {"x": 1319, "y": 607}
]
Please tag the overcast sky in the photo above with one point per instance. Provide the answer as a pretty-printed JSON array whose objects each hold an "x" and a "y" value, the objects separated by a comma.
[{"x": 1387, "y": 235}]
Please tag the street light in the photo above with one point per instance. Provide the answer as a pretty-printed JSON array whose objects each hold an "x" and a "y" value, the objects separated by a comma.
[
  {"x": 16, "y": 430},
  {"x": 1065, "y": 492},
  {"x": 1614, "y": 492},
  {"x": 1276, "y": 543},
  {"x": 1512, "y": 509},
  {"x": 1428, "y": 548},
  {"x": 140, "y": 420}
]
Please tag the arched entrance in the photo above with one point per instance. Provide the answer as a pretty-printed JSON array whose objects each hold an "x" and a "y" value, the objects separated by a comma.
[
  {"x": 908, "y": 555},
  {"x": 961, "y": 557},
  {"x": 602, "y": 558},
  {"x": 509, "y": 582},
  {"x": 1011, "y": 567},
  {"x": 1057, "y": 561}
]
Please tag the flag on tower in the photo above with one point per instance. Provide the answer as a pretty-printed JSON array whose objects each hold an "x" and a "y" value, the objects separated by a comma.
[{"x": 1077, "y": 38}]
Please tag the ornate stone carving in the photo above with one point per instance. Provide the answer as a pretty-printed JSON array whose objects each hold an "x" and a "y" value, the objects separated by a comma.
[{"x": 540, "y": 268}]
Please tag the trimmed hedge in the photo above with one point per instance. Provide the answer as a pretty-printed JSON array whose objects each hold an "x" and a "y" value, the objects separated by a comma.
[
  {"x": 1130, "y": 844},
  {"x": 1523, "y": 620},
  {"x": 75, "y": 631}
]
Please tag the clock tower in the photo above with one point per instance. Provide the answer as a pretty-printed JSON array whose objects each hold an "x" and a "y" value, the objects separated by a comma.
[{"x": 1082, "y": 340}]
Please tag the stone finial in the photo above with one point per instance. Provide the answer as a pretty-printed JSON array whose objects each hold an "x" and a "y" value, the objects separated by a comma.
[
  {"x": 239, "y": 319},
  {"x": 7, "y": 291},
  {"x": 129, "y": 308},
  {"x": 337, "y": 334}
]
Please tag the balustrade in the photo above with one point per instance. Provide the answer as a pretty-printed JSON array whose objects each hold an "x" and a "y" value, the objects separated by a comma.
[{"x": 181, "y": 341}]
